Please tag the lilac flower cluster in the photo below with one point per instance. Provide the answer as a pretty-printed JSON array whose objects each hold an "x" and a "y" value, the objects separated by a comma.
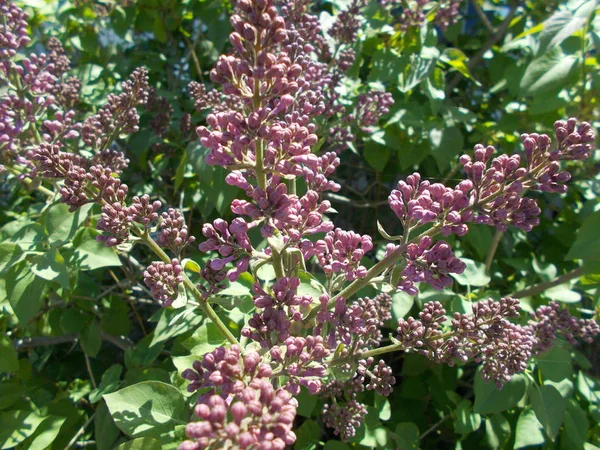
[
  {"x": 356, "y": 326},
  {"x": 347, "y": 23},
  {"x": 341, "y": 251},
  {"x": 163, "y": 280},
  {"x": 13, "y": 30},
  {"x": 232, "y": 243},
  {"x": 261, "y": 417},
  {"x": 487, "y": 337},
  {"x": 413, "y": 14},
  {"x": 428, "y": 263},
  {"x": 371, "y": 106},
  {"x": 119, "y": 115},
  {"x": 417, "y": 203},
  {"x": 551, "y": 320},
  {"x": 302, "y": 360},
  {"x": 174, "y": 233},
  {"x": 279, "y": 310}
]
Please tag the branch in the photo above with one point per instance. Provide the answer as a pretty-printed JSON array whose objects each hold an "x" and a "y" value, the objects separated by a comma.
[
  {"x": 493, "y": 40},
  {"x": 40, "y": 341},
  {"x": 492, "y": 251},
  {"x": 541, "y": 287},
  {"x": 483, "y": 16},
  {"x": 353, "y": 203}
]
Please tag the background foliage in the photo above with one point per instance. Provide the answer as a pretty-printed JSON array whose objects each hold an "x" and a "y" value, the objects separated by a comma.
[{"x": 82, "y": 344}]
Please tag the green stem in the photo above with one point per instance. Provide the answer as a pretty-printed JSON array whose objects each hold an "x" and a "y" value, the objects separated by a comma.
[
  {"x": 492, "y": 251},
  {"x": 261, "y": 176},
  {"x": 277, "y": 263},
  {"x": 374, "y": 271},
  {"x": 292, "y": 186},
  {"x": 583, "y": 72},
  {"x": 204, "y": 306}
]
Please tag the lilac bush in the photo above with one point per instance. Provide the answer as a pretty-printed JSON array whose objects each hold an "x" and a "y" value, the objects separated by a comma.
[{"x": 276, "y": 105}]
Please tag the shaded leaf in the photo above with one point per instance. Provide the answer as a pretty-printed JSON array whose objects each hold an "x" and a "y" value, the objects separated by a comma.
[{"x": 149, "y": 408}]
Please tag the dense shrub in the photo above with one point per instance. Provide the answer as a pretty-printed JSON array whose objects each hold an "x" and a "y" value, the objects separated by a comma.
[{"x": 179, "y": 184}]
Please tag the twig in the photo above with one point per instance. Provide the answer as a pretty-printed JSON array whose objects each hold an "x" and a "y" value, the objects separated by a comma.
[
  {"x": 492, "y": 251},
  {"x": 433, "y": 427},
  {"x": 40, "y": 341},
  {"x": 483, "y": 17},
  {"x": 541, "y": 287},
  {"x": 80, "y": 432},
  {"x": 493, "y": 39},
  {"x": 355, "y": 204},
  {"x": 194, "y": 57},
  {"x": 89, "y": 369}
]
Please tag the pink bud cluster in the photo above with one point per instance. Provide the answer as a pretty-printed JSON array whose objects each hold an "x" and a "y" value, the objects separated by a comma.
[
  {"x": 163, "y": 280},
  {"x": 260, "y": 416},
  {"x": 279, "y": 310},
  {"x": 232, "y": 243},
  {"x": 429, "y": 263},
  {"x": 302, "y": 360},
  {"x": 487, "y": 337},
  {"x": 413, "y": 15},
  {"x": 174, "y": 233},
  {"x": 356, "y": 326},
  {"x": 119, "y": 115},
  {"x": 341, "y": 252},
  {"x": 13, "y": 30}
]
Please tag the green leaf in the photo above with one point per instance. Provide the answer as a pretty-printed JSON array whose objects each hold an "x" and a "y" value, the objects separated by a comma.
[
  {"x": 30, "y": 237},
  {"x": 10, "y": 392},
  {"x": 456, "y": 59},
  {"x": 173, "y": 322},
  {"x": 145, "y": 409},
  {"x": 25, "y": 292},
  {"x": 111, "y": 379},
  {"x": 10, "y": 254},
  {"x": 9, "y": 361},
  {"x": 555, "y": 364},
  {"x": 529, "y": 430},
  {"x": 307, "y": 436},
  {"x": 386, "y": 65},
  {"x": 548, "y": 72},
  {"x": 549, "y": 407},
  {"x": 180, "y": 171},
  {"x": 588, "y": 387},
  {"x": 407, "y": 436},
  {"x": 435, "y": 88},
  {"x": 336, "y": 445},
  {"x": 61, "y": 224},
  {"x": 446, "y": 145},
  {"x": 563, "y": 24},
  {"x": 575, "y": 429},
  {"x": 91, "y": 339},
  {"x": 306, "y": 402},
  {"x": 497, "y": 431},
  {"x": 563, "y": 293},
  {"x": 73, "y": 320},
  {"x": 17, "y": 426},
  {"x": 45, "y": 434},
  {"x": 105, "y": 426},
  {"x": 474, "y": 274},
  {"x": 91, "y": 254},
  {"x": 51, "y": 266},
  {"x": 382, "y": 405},
  {"x": 587, "y": 244},
  {"x": 489, "y": 399},
  {"x": 466, "y": 420},
  {"x": 416, "y": 71},
  {"x": 401, "y": 304},
  {"x": 145, "y": 443},
  {"x": 376, "y": 155},
  {"x": 143, "y": 354}
]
